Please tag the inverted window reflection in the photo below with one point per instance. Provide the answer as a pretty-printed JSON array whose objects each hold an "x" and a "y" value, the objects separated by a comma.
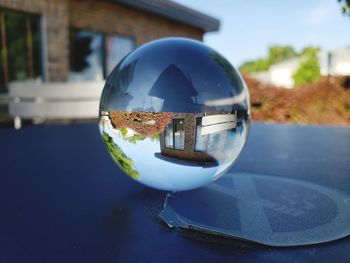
[
  {"x": 169, "y": 136},
  {"x": 175, "y": 135},
  {"x": 179, "y": 134},
  {"x": 200, "y": 144}
]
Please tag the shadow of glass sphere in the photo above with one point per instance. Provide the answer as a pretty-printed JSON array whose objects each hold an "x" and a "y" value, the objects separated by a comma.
[{"x": 174, "y": 114}]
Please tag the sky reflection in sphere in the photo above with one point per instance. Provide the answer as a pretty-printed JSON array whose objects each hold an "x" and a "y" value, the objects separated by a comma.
[{"x": 174, "y": 114}]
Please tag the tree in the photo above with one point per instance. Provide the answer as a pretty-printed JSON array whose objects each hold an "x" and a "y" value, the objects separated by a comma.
[
  {"x": 309, "y": 70},
  {"x": 123, "y": 161},
  {"x": 280, "y": 53},
  {"x": 345, "y": 6},
  {"x": 254, "y": 66},
  {"x": 309, "y": 51},
  {"x": 276, "y": 54}
]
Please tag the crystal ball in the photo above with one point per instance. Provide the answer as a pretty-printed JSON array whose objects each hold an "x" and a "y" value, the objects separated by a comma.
[{"x": 174, "y": 114}]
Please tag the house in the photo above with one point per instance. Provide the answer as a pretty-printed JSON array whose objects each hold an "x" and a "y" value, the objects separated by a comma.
[
  {"x": 194, "y": 139},
  {"x": 281, "y": 74},
  {"x": 68, "y": 41},
  {"x": 335, "y": 63},
  {"x": 198, "y": 139}
]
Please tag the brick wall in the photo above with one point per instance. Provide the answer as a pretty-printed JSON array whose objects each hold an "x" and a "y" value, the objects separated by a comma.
[
  {"x": 118, "y": 19},
  {"x": 98, "y": 16}
]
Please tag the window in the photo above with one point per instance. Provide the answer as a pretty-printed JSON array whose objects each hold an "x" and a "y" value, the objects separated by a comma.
[
  {"x": 200, "y": 140},
  {"x": 20, "y": 58},
  {"x": 179, "y": 134},
  {"x": 94, "y": 55},
  {"x": 169, "y": 137},
  {"x": 86, "y": 55},
  {"x": 117, "y": 47},
  {"x": 175, "y": 135}
]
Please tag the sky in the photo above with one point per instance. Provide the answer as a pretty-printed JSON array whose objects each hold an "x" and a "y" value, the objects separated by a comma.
[{"x": 249, "y": 27}]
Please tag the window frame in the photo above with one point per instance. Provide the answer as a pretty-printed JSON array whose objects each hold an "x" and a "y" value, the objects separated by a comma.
[
  {"x": 173, "y": 134},
  {"x": 29, "y": 18},
  {"x": 195, "y": 137},
  {"x": 104, "y": 51},
  {"x": 101, "y": 52}
]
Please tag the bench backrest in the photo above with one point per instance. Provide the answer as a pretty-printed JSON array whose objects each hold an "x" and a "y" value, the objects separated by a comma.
[{"x": 64, "y": 100}]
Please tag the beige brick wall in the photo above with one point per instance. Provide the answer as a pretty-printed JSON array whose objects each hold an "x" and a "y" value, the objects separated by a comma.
[
  {"x": 97, "y": 16},
  {"x": 117, "y": 19}
]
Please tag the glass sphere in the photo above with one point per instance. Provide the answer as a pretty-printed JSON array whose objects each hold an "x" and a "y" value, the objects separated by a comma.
[{"x": 174, "y": 114}]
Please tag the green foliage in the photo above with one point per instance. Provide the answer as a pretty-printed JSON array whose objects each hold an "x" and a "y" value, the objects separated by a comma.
[
  {"x": 309, "y": 51},
  {"x": 280, "y": 53},
  {"x": 276, "y": 54},
  {"x": 255, "y": 66},
  {"x": 124, "y": 131},
  {"x": 123, "y": 161},
  {"x": 345, "y": 6},
  {"x": 309, "y": 70},
  {"x": 136, "y": 137}
]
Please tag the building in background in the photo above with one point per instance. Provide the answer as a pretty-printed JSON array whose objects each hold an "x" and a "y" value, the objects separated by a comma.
[
  {"x": 335, "y": 62},
  {"x": 55, "y": 55},
  {"x": 71, "y": 40},
  {"x": 332, "y": 63}
]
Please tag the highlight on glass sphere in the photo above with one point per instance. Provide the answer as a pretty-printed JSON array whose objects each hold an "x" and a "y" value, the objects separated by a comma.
[{"x": 174, "y": 114}]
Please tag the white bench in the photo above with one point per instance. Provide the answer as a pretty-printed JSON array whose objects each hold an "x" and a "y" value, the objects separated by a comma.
[{"x": 54, "y": 100}]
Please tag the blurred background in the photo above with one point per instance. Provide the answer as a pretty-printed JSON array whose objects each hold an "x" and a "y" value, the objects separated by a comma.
[
  {"x": 55, "y": 55},
  {"x": 294, "y": 56}
]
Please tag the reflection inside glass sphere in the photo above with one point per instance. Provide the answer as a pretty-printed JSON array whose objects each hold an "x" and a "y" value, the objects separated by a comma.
[
  {"x": 171, "y": 150},
  {"x": 174, "y": 114}
]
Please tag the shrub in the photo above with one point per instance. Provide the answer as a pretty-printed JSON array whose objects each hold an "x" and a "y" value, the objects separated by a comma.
[{"x": 309, "y": 70}]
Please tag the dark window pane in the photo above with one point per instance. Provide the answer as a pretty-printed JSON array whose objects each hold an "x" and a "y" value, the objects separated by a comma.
[
  {"x": 36, "y": 44},
  {"x": 86, "y": 55},
  {"x": 16, "y": 46},
  {"x": 169, "y": 135},
  {"x": 201, "y": 140},
  {"x": 117, "y": 47},
  {"x": 179, "y": 134},
  {"x": 20, "y": 43},
  {"x": 2, "y": 73}
]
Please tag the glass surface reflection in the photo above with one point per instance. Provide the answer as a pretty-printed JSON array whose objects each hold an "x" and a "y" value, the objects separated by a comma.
[
  {"x": 170, "y": 150},
  {"x": 174, "y": 114}
]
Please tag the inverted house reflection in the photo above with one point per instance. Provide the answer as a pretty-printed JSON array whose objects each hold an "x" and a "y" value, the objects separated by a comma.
[
  {"x": 190, "y": 139},
  {"x": 196, "y": 139}
]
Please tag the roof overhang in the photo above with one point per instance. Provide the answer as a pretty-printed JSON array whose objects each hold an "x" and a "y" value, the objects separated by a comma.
[{"x": 176, "y": 12}]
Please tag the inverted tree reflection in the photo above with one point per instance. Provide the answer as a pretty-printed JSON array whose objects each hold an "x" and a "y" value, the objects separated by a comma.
[{"x": 123, "y": 161}]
